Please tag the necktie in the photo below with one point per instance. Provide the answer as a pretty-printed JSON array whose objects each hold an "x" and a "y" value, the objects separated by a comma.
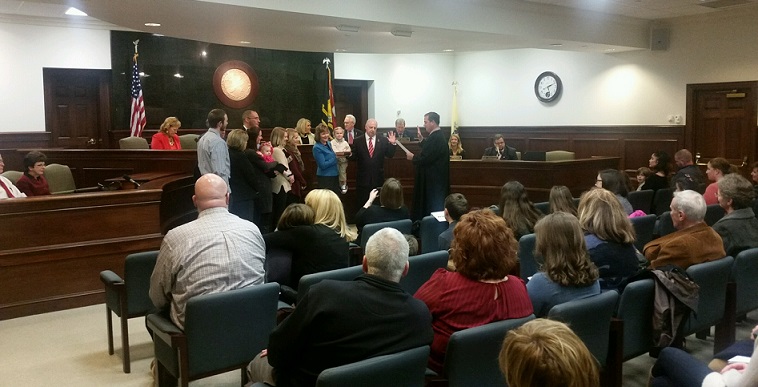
[
  {"x": 350, "y": 137},
  {"x": 7, "y": 191},
  {"x": 371, "y": 147}
]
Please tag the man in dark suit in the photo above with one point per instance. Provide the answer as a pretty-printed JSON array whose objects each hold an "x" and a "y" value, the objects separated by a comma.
[
  {"x": 369, "y": 151},
  {"x": 400, "y": 133},
  {"x": 432, "y": 182},
  {"x": 502, "y": 151},
  {"x": 351, "y": 133}
]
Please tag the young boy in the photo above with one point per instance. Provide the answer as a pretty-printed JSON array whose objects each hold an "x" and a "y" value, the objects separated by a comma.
[{"x": 342, "y": 149}]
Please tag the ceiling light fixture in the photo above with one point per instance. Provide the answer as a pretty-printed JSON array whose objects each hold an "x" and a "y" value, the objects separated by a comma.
[
  {"x": 152, "y": 24},
  {"x": 74, "y": 12},
  {"x": 448, "y": 50},
  {"x": 178, "y": 75},
  {"x": 244, "y": 42},
  {"x": 347, "y": 28},
  {"x": 402, "y": 33},
  {"x": 557, "y": 44}
]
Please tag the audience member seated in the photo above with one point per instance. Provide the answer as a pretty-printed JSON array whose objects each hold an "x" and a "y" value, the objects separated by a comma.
[
  {"x": 677, "y": 368},
  {"x": 517, "y": 210},
  {"x": 242, "y": 177},
  {"x": 567, "y": 272},
  {"x": 544, "y": 352},
  {"x": 296, "y": 214},
  {"x": 7, "y": 189},
  {"x": 718, "y": 167},
  {"x": 754, "y": 176},
  {"x": 502, "y": 151},
  {"x": 642, "y": 174},
  {"x": 318, "y": 247},
  {"x": 456, "y": 148},
  {"x": 167, "y": 138},
  {"x": 391, "y": 207},
  {"x": 401, "y": 134},
  {"x": 412, "y": 244},
  {"x": 738, "y": 348},
  {"x": 693, "y": 242},
  {"x": 687, "y": 171},
  {"x": 660, "y": 164},
  {"x": 616, "y": 181},
  {"x": 480, "y": 291},
  {"x": 609, "y": 236},
  {"x": 685, "y": 183},
  {"x": 216, "y": 252},
  {"x": 456, "y": 206},
  {"x": 560, "y": 199},
  {"x": 739, "y": 227},
  {"x": 32, "y": 182},
  {"x": 341, "y": 322}
]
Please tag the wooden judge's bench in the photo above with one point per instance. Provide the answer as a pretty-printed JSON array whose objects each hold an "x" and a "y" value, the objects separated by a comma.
[{"x": 53, "y": 248}]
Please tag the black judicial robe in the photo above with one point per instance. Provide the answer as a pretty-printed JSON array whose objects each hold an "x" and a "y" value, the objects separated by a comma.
[{"x": 432, "y": 181}]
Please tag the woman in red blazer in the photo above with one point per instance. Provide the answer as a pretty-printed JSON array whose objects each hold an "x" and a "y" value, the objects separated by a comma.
[{"x": 167, "y": 138}]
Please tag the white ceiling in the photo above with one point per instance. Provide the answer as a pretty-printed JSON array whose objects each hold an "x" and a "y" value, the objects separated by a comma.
[{"x": 436, "y": 25}]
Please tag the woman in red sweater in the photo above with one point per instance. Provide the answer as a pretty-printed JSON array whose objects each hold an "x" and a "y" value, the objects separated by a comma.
[{"x": 167, "y": 138}]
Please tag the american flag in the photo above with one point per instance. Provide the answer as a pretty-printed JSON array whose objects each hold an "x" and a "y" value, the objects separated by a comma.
[{"x": 137, "y": 121}]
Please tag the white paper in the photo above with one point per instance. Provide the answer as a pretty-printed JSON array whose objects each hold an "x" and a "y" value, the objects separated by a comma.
[{"x": 439, "y": 215}]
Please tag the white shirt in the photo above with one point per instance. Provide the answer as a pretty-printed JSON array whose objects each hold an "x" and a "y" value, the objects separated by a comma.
[{"x": 14, "y": 191}]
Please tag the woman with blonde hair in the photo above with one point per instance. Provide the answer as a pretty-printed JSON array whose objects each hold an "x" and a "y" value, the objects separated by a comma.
[
  {"x": 544, "y": 352},
  {"x": 295, "y": 159},
  {"x": 609, "y": 236},
  {"x": 567, "y": 272},
  {"x": 281, "y": 184},
  {"x": 561, "y": 200},
  {"x": 481, "y": 290},
  {"x": 167, "y": 138},
  {"x": 316, "y": 247},
  {"x": 456, "y": 148},
  {"x": 303, "y": 128},
  {"x": 718, "y": 167},
  {"x": 517, "y": 210}
]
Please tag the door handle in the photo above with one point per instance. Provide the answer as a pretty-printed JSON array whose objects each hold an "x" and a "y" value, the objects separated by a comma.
[{"x": 91, "y": 141}]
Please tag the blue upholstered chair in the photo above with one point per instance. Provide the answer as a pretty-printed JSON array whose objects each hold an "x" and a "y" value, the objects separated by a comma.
[
  {"x": 421, "y": 269},
  {"x": 222, "y": 332},
  {"x": 712, "y": 277},
  {"x": 278, "y": 266},
  {"x": 543, "y": 207},
  {"x": 644, "y": 226},
  {"x": 641, "y": 200},
  {"x": 662, "y": 201},
  {"x": 128, "y": 297},
  {"x": 402, "y": 369},
  {"x": 635, "y": 309},
  {"x": 665, "y": 224},
  {"x": 713, "y": 213},
  {"x": 344, "y": 274},
  {"x": 528, "y": 263},
  {"x": 745, "y": 277},
  {"x": 403, "y": 225},
  {"x": 430, "y": 230}
]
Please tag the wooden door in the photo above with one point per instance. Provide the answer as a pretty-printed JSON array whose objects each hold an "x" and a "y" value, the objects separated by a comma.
[
  {"x": 351, "y": 97},
  {"x": 77, "y": 107},
  {"x": 721, "y": 121}
]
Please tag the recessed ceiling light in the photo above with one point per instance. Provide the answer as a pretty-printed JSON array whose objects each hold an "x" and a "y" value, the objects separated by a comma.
[
  {"x": 557, "y": 44},
  {"x": 152, "y": 24},
  {"x": 347, "y": 28},
  {"x": 158, "y": 35},
  {"x": 340, "y": 50},
  {"x": 75, "y": 12},
  {"x": 402, "y": 33},
  {"x": 244, "y": 42},
  {"x": 177, "y": 75},
  {"x": 143, "y": 75},
  {"x": 203, "y": 53},
  {"x": 448, "y": 50},
  {"x": 610, "y": 49}
]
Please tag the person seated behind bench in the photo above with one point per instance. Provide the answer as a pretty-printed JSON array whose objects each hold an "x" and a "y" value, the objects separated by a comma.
[
  {"x": 502, "y": 151},
  {"x": 7, "y": 189},
  {"x": 32, "y": 182}
]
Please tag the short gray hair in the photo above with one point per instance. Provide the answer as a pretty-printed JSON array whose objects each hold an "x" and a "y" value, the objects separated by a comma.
[
  {"x": 387, "y": 254},
  {"x": 691, "y": 204},
  {"x": 734, "y": 186},
  {"x": 350, "y": 117},
  {"x": 400, "y": 121}
]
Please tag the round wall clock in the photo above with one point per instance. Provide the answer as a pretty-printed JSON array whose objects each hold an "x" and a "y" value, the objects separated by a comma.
[
  {"x": 548, "y": 86},
  {"x": 235, "y": 84}
]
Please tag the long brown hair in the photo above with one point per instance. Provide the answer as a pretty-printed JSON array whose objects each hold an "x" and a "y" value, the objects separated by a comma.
[
  {"x": 517, "y": 210},
  {"x": 561, "y": 242}
]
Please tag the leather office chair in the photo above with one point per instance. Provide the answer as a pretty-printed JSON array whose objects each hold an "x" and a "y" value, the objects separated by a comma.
[
  {"x": 60, "y": 179},
  {"x": 559, "y": 155},
  {"x": 222, "y": 332},
  {"x": 644, "y": 226},
  {"x": 712, "y": 278},
  {"x": 471, "y": 358},
  {"x": 13, "y": 176},
  {"x": 133, "y": 143},
  {"x": 429, "y": 231},
  {"x": 344, "y": 274},
  {"x": 188, "y": 141},
  {"x": 713, "y": 213},
  {"x": 421, "y": 268},
  {"x": 528, "y": 263},
  {"x": 641, "y": 200},
  {"x": 402, "y": 369},
  {"x": 128, "y": 297},
  {"x": 403, "y": 225}
]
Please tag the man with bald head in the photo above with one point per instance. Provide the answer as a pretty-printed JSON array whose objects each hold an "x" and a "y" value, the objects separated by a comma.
[
  {"x": 369, "y": 151},
  {"x": 215, "y": 253}
]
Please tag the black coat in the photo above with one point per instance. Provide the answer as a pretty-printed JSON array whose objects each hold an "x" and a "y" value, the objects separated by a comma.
[
  {"x": 432, "y": 182},
  {"x": 243, "y": 185}
]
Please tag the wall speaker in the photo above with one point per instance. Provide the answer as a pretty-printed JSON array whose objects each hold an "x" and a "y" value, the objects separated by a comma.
[{"x": 659, "y": 39}]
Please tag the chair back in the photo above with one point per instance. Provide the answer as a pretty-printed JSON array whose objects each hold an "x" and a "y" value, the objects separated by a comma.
[
  {"x": 643, "y": 228},
  {"x": 529, "y": 263},
  {"x": 344, "y": 274},
  {"x": 13, "y": 176},
  {"x": 641, "y": 200},
  {"x": 543, "y": 207},
  {"x": 471, "y": 358},
  {"x": 713, "y": 213},
  {"x": 402, "y": 369},
  {"x": 133, "y": 143},
  {"x": 430, "y": 230},
  {"x": 744, "y": 274},
  {"x": 635, "y": 308},
  {"x": 662, "y": 201},
  {"x": 188, "y": 141},
  {"x": 590, "y": 319},
  {"x": 60, "y": 179},
  {"x": 421, "y": 268},
  {"x": 138, "y": 268},
  {"x": 712, "y": 277},
  {"x": 278, "y": 266},
  {"x": 226, "y": 330},
  {"x": 665, "y": 224},
  {"x": 403, "y": 225},
  {"x": 559, "y": 155}
]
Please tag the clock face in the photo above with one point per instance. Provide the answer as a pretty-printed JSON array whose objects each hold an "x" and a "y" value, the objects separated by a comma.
[{"x": 547, "y": 87}]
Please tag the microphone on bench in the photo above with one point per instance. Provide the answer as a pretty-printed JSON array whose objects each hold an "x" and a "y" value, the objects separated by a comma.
[{"x": 129, "y": 179}]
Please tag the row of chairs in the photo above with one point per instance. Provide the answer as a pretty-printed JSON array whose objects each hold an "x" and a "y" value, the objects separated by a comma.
[
  {"x": 59, "y": 178},
  {"x": 430, "y": 228},
  {"x": 187, "y": 141}
]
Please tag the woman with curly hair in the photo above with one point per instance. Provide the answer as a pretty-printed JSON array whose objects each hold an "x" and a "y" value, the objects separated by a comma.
[
  {"x": 481, "y": 290},
  {"x": 517, "y": 210},
  {"x": 567, "y": 273}
]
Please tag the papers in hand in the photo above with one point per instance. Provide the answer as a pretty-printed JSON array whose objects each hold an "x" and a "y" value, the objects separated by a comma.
[
  {"x": 439, "y": 215},
  {"x": 400, "y": 144}
]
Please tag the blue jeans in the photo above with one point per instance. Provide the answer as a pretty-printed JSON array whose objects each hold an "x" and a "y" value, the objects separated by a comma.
[{"x": 677, "y": 368}]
